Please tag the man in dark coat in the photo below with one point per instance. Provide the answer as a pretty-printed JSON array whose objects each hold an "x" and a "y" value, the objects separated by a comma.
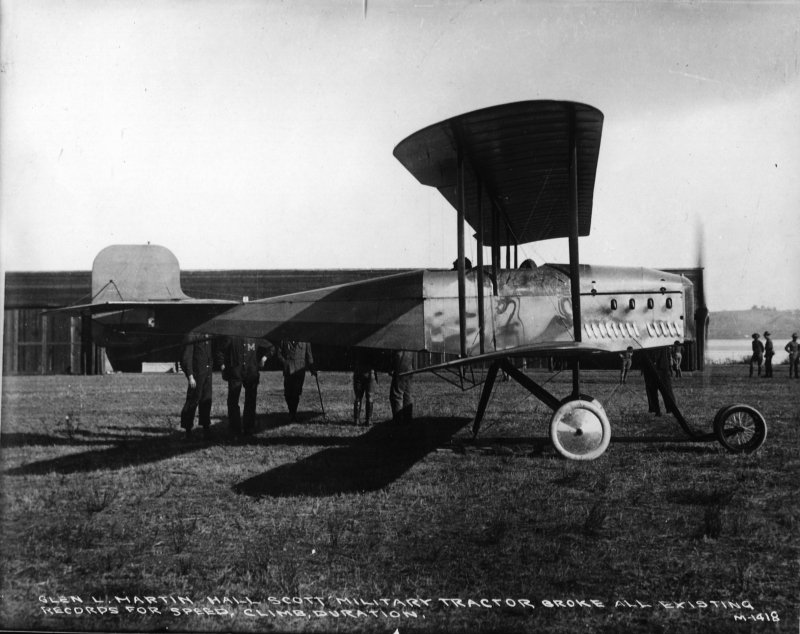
[
  {"x": 400, "y": 391},
  {"x": 658, "y": 378},
  {"x": 758, "y": 354},
  {"x": 769, "y": 352},
  {"x": 240, "y": 360},
  {"x": 196, "y": 363},
  {"x": 793, "y": 348},
  {"x": 296, "y": 358},
  {"x": 365, "y": 377}
]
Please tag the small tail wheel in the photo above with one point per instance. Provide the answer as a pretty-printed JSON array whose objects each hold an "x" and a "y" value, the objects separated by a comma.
[
  {"x": 580, "y": 429},
  {"x": 740, "y": 428}
]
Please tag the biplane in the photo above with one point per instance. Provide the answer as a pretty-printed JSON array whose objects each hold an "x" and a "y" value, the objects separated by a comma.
[{"x": 514, "y": 173}]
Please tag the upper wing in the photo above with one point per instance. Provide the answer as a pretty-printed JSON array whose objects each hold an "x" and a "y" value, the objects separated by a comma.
[{"x": 520, "y": 153}]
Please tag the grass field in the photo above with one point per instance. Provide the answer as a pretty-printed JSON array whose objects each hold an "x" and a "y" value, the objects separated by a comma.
[{"x": 112, "y": 521}]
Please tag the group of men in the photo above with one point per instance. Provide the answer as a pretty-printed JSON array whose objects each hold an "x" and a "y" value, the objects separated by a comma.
[
  {"x": 764, "y": 351},
  {"x": 241, "y": 359},
  {"x": 674, "y": 361}
]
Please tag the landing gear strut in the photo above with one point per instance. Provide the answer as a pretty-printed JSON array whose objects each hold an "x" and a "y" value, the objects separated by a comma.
[
  {"x": 580, "y": 430},
  {"x": 579, "y": 427}
]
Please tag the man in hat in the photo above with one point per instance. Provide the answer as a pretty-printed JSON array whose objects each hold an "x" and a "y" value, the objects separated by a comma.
[
  {"x": 658, "y": 378},
  {"x": 793, "y": 348},
  {"x": 769, "y": 352},
  {"x": 758, "y": 354},
  {"x": 365, "y": 377},
  {"x": 240, "y": 360},
  {"x": 677, "y": 358},
  {"x": 196, "y": 363},
  {"x": 400, "y": 397},
  {"x": 627, "y": 361},
  {"x": 296, "y": 358}
]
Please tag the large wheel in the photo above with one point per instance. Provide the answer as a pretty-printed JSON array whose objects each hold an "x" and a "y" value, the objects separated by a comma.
[
  {"x": 740, "y": 428},
  {"x": 580, "y": 430}
]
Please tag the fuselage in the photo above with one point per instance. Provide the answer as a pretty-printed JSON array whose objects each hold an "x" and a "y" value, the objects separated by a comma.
[
  {"x": 418, "y": 310},
  {"x": 620, "y": 306}
]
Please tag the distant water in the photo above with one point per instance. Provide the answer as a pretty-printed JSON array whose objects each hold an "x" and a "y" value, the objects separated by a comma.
[{"x": 735, "y": 350}]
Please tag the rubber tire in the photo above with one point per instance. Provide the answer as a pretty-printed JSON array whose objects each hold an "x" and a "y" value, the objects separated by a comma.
[
  {"x": 759, "y": 429},
  {"x": 557, "y": 430}
]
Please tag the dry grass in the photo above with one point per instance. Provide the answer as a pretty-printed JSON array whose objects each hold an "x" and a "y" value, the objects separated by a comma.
[{"x": 113, "y": 502}]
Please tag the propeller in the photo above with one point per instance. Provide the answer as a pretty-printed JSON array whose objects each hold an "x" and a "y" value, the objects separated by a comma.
[{"x": 701, "y": 310}]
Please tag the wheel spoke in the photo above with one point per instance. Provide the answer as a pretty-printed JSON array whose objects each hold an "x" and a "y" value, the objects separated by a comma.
[{"x": 740, "y": 428}]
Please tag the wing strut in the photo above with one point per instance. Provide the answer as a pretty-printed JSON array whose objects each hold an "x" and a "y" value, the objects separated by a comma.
[
  {"x": 479, "y": 237},
  {"x": 462, "y": 304},
  {"x": 495, "y": 248},
  {"x": 574, "y": 259}
]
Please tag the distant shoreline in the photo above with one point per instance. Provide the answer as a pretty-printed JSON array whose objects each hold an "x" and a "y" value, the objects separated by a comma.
[{"x": 741, "y": 324}]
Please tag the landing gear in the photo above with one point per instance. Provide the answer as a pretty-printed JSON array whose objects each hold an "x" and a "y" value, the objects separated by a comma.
[
  {"x": 740, "y": 428},
  {"x": 580, "y": 429}
]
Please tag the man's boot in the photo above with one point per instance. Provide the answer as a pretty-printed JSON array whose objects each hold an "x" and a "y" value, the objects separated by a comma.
[
  {"x": 356, "y": 412},
  {"x": 368, "y": 414}
]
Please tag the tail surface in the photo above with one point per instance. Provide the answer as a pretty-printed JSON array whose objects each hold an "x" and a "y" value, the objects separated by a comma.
[{"x": 136, "y": 272}]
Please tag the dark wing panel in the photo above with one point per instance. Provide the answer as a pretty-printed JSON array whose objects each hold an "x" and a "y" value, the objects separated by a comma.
[
  {"x": 386, "y": 312},
  {"x": 520, "y": 154}
]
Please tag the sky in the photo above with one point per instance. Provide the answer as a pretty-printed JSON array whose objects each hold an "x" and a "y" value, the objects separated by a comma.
[{"x": 257, "y": 134}]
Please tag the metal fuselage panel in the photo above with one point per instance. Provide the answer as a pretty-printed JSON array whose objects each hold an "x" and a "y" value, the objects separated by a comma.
[{"x": 620, "y": 307}]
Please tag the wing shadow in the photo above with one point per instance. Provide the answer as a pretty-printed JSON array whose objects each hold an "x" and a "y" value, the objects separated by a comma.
[{"x": 367, "y": 463}]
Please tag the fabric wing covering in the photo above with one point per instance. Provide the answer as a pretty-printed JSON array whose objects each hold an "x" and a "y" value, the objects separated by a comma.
[{"x": 516, "y": 158}]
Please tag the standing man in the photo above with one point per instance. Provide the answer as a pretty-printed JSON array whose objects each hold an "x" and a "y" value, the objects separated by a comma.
[
  {"x": 296, "y": 359},
  {"x": 769, "y": 352},
  {"x": 677, "y": 358},
  {"x": 240, "y": 360},
  {"x": 627, "y": 361},
  {"x": 758, "y": 354},
  {"x": 793, "y": 348},
  {"x": 364, "y": 378},
  {"x": 196, "y": 363},
  {"x": 400, "y": 391},
  {"x": 658, "y": 378}
]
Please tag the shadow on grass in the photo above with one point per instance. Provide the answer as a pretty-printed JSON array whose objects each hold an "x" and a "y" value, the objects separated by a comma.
[
  {"x": 379, "y": 455},
  {"x": 678, "y": 444},
  {"x": 347, "y": 464},
  {"x": 538, "y": 445},
  {"x": 367, "y": 463}
]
